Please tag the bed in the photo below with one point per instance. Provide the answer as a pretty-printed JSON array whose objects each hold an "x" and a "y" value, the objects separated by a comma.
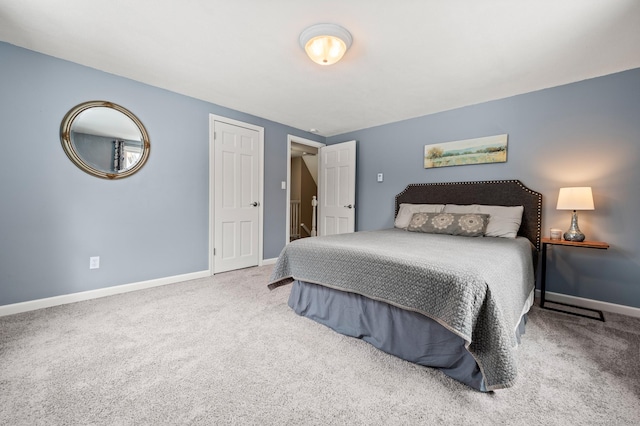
[{"x": 430, "y": 295}]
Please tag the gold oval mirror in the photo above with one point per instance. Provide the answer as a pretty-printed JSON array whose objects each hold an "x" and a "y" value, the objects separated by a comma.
[{"x": 104, "y": 139}]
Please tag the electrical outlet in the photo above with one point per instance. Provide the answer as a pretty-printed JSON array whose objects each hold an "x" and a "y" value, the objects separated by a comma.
[
  {"x": 380, "y": 177},
  {"x": 94, "y": 262}
]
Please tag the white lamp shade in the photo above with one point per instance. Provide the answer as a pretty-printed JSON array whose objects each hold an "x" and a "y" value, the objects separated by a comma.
[
  {"x": 325, "y": 44},
  {"x": 575, "y": 198}
]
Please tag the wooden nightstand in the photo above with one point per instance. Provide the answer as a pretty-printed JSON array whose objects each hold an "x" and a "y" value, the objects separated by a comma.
[{"x": 543, "y": 281}]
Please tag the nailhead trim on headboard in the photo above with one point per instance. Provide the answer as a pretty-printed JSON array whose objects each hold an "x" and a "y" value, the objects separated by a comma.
[{"x": 505, "y": 192}]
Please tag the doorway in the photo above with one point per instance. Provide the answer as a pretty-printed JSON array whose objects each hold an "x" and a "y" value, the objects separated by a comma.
[{"x": 302, "y": 186}]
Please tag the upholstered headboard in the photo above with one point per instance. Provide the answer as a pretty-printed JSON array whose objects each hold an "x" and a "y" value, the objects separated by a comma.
[{"x": 493, "y": 192}]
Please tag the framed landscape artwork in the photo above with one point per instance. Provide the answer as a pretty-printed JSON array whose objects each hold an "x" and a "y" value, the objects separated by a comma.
[{"x": 490, "y": 149}]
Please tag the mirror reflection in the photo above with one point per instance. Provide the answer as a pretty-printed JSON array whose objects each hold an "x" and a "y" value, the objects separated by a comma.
[{"x": 104, "y": 139}]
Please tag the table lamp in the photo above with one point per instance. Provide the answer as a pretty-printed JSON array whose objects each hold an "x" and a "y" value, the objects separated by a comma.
[{"x": 575, "y": 198}]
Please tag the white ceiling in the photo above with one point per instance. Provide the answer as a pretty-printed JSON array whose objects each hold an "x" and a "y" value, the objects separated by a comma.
[{"x": 409, "y": 57}]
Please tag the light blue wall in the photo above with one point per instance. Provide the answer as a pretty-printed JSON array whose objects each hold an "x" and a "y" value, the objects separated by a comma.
[
  {"x": 580, "y": 134},
  {"x": 53, "y": 216}
]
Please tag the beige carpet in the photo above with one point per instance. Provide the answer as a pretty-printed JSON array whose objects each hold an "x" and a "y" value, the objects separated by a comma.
[{"x": 225, "y": 350}]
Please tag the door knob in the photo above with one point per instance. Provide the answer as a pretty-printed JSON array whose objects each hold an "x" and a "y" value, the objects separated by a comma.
[
  {"x": 255, "y": 204},
  {"x": 349, "y": 206}
]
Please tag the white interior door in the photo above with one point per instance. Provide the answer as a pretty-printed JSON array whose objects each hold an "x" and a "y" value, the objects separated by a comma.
[
  {"x": 237, "y": 185},
  {"x": 337, "y": 188}
]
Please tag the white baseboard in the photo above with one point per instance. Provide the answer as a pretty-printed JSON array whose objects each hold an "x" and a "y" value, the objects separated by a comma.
[
  {"x": 48, "y": 302},
  {"x": 271, "y": 261},
  {"x": 592, "y": 304}
]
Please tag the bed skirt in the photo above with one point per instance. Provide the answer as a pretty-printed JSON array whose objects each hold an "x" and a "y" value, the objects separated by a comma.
[{"x": 405, "y": 334}]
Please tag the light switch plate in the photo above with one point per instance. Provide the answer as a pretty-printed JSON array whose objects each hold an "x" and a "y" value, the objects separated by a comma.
[
  {"x": 94, "y": 262},
  {"x": 380, "y": 177}
]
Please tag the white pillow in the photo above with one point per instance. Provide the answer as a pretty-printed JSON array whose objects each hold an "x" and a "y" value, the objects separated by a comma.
[
  {"x": 503, "y": 221},
  {"x": 406, "y": 211},
  {"x": 457, "y": 208}
]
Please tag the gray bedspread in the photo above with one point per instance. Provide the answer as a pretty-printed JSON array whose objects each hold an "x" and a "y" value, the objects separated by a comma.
[{"x": 475, "y": 287}]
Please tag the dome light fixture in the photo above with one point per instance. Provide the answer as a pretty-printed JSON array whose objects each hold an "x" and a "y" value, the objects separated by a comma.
[{"x": 325, "y": 44}]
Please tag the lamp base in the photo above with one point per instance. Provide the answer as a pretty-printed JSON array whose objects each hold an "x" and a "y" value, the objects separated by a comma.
[
  {"x": 574, "y": 233},
  {"x": 574, "y": 236}
]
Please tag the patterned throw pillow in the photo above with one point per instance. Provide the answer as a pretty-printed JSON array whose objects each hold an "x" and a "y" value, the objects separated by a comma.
[{"x": 467, "y": 224}]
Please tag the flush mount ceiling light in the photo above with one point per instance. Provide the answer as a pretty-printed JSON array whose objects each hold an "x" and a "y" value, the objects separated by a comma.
[{"x": 325, "y": 44}]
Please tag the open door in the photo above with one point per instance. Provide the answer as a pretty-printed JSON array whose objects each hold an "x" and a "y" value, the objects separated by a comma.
[{"x": 337, "y": 188}]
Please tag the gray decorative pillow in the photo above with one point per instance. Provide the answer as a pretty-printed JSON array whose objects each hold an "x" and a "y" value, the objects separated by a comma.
[{"x": 467, "y": 224}]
